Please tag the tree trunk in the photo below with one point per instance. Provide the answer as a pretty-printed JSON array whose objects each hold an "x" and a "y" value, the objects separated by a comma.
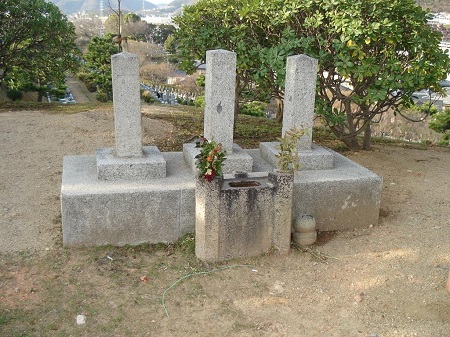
[
  {"x": 367, "y": 136},
  {"x": 280, "y": 108},
  {"x": 352, "y": 143}
]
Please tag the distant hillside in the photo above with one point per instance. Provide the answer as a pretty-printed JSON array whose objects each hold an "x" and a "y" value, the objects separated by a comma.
[
  {"x": 435, "y": 6},
  {"x": 69, "y": 7},
  {"x": 179, "y": 3}
]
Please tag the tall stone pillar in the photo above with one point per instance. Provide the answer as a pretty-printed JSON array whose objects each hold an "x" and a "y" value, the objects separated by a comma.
[
  {"x": 299, "y": 97},
  {"x": 127, "y": 105},
  {"x": 220, "y": 81},
  {"x": 129, "y": 160}
]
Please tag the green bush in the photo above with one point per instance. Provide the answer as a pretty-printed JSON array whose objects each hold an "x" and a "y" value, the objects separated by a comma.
[
  {"x": 200, "y": 101},
  {"x": 147, "y": 97},
  {"x": 14, "y": 94},
  {"x": 58, "y": 92},
  {"x": 91, "y": 86},
  {"x": 440, "y": 121},
  {"x": 82, "y": 76},
  {"x": 101, "y": 96},
  {"x": 200, "y": 81},
  {"x": 254, "y": 108},
  {"x": 445, "y": 141}
]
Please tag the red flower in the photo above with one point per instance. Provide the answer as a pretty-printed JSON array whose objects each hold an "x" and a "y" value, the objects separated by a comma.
[{"x": 210, "y": 176}]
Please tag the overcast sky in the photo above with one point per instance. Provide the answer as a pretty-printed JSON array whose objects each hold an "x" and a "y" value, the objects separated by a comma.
[{"x": 160, "y": 2}]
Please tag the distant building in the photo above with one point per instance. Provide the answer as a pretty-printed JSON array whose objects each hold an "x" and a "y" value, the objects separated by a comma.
[
  {"x": 157, "y": 20},
  {"x": 176, "y": 77},
  {"x": 200, "y": 68}
]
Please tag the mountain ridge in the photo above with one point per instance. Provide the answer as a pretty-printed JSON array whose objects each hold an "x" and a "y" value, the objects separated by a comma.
[{"x": 71, "y": 7}]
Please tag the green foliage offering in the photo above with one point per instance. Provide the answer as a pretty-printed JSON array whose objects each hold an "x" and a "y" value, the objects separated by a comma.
[
  {"x": 288, "y": 159},
  {"x": 254, "y": 108},
  {"x": 373, "y": 54},
  {"x": 14, "y": 94},
  {"x": 37, "y": 45},
  {"x": 210, "y": 159}
]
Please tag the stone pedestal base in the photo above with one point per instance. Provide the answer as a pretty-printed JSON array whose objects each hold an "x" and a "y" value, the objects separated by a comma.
[
  {"x": 317, "y": 158},
  {"x": 238, "y": 161},
  {"x": 118, "y": 212},
  {"x": 150, "y": 166}
]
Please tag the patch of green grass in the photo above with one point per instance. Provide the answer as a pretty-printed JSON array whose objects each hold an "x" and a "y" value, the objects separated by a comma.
[
  {"x": 186, "y": 245},
  {"x": 424, "y": 145},
  {"x": 18, "y": 322},
  {"x": 6, "y": 106},
  {"x": 250, "y": 131},
  {"x": 5, "y": 317},
  {"x": 188, "y": 122}
]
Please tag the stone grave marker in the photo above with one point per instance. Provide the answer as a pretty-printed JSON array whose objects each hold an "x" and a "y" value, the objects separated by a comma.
[
  {"x": 300, "y": 92},
  {"x": 220, "y": 81},
  {"x": 129, "y": 160}
]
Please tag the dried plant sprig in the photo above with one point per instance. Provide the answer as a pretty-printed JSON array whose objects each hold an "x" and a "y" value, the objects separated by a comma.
[{"x": 288, "y": 159}]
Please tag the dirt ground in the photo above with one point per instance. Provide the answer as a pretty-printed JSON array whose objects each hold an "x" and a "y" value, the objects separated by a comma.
[{"x": 387, "y": 280}]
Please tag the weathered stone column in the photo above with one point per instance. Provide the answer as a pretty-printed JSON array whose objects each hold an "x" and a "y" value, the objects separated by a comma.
[
  {"x": 207, "y": 219},
  {"x": 282, "y": 208},
  {"x": 299, "y": 98},
  {"x": 127, "y": 105},
  {"x": 129, "y": 160},
  {"x": 220, "y": 81}
]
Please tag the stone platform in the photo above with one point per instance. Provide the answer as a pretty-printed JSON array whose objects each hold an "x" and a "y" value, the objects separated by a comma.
[{"x": 101, "y": 212}]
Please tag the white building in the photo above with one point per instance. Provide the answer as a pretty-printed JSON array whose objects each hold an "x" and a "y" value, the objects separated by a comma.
[{"x": 157, "y": 20}]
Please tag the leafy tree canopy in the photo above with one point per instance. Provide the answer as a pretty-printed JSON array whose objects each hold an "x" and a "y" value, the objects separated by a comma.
[
  {"x": 373, "y": 54},
  {"x": 98, "y": 65},
  {"x": 162, "y": 32},
  {"x": 37, "y": 44},
  {"x": 131, "y": 17}
]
